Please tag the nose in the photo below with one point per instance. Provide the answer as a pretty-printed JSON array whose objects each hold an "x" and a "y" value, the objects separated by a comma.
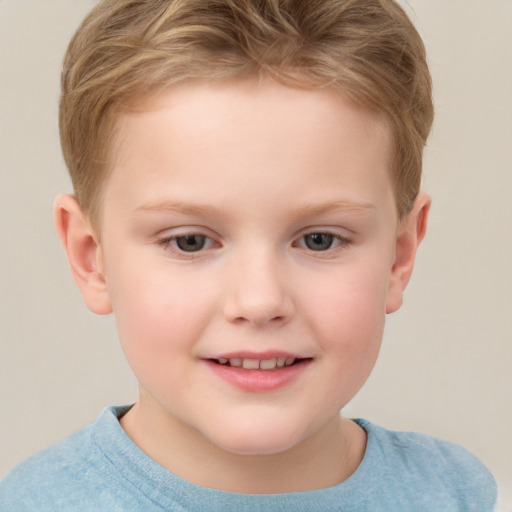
[{"x": 258, "y": 291}]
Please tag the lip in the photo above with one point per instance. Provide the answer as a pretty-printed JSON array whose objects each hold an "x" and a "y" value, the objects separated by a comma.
[
  {"x": 258, "y": 381},
  {"x": 268, "y": 354}
]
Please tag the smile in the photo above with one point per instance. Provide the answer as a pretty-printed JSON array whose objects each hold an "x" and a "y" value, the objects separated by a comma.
[
  {"x": 257, "y": 364},
  {"x": 268, "y": 372}
]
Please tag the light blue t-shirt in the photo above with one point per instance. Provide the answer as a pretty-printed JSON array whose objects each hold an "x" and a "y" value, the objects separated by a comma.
[{"x": 99, "y": 468}]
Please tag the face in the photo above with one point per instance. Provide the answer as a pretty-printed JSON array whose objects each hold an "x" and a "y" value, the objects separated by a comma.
[{"x": 248, "y": 237}]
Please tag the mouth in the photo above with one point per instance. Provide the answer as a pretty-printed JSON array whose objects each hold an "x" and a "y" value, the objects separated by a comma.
[
  {"x": 274, "y": 363},
  {"x": 258, "y": 372}
]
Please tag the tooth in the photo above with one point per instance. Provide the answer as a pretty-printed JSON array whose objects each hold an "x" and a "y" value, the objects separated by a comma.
[
  {"x": 268, "y": 364},
  {"x": 235, "y": 361},
  {"x": 280, "y": 361},
  {"x": 289, "y": 361},
  {"x": 250, "y": 364},
  {"x": 223, "y": 360}
]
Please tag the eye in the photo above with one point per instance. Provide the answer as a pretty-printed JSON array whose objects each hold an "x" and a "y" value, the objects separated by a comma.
[
  {"x": 321, "y": 241},
  {"x": 189, "y": 243}
]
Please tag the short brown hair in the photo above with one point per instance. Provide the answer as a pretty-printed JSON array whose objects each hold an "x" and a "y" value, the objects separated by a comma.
[{"x": 127, "y": 49}]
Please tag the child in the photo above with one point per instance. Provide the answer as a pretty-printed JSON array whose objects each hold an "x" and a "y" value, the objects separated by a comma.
[{"x": 247, "y": 204}]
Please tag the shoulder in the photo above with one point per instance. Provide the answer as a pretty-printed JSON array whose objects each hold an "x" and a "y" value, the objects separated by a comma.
[
  {"x": 60, "y": 476},
  {"x": 426, "y": 463},
  {"x": 47, "y": 474}
]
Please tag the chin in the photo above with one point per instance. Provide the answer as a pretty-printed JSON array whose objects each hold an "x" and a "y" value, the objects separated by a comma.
[
  {"x": 257, "y": 441},
  {"x": 256, "y": 447}
]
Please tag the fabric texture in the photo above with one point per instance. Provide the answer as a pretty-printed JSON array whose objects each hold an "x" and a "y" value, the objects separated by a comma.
[{"x": 100, "y": 468}]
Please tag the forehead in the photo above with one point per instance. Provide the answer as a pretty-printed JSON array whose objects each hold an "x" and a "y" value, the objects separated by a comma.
[
  {"x": 250, "y": 104},
  {"x": 201, "y": 101},
  {"x": 251, "y": 132}
]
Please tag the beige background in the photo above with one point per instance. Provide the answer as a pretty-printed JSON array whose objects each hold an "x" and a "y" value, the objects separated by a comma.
[{"x": 446, "y": 363}]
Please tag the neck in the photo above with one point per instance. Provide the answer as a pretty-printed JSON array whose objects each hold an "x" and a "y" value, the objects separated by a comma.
[{"x": 325, "y": 459}]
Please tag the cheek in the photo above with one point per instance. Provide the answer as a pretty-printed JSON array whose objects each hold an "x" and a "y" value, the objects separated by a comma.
[
  {"x": 350, "y": 336},
  {"x": 349, "y": 317},
  {"x": 351, "y": 302},
  {"x": 157, "y": 315}
]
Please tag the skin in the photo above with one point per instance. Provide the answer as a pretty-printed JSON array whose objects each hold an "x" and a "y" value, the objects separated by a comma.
[{"x": 253, "y": 168}]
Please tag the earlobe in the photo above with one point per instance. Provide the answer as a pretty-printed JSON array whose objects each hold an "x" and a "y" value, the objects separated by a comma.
[
  {"x": 83, "y": 252},
  {"x": 411, "y": 232}
]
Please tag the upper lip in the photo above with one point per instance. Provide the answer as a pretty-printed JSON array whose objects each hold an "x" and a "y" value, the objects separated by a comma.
[{"x": 261, "y": 356}]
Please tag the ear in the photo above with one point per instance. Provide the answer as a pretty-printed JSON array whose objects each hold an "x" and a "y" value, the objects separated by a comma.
[
  {"x": 411, "y": 232},
  {"x": 84, "y": 253}
]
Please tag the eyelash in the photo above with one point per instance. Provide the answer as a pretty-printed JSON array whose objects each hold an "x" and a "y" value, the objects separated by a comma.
[
  {"x": 337, "y": 242},
  {"x": 170, "y": 243}
]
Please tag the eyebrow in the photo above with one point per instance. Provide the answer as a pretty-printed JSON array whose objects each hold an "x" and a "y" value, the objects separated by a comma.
[
  {"x": 202, "y": 210},
  {"x": 346, "y": 206},
  {"x": 196, "y": 210}
]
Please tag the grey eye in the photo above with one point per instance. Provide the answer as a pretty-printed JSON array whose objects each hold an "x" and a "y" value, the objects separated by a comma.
[
  {"x": 319, "y": 241},
  {"x": 190, "y": 243}
]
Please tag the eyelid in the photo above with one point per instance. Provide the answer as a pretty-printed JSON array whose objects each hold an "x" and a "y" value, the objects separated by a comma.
[
  {"x": 336, "y": 231},
  {"x": 166, "y": 239},
  {"x": 178, "y": 237},
  {"x": 343, "y": 240}
]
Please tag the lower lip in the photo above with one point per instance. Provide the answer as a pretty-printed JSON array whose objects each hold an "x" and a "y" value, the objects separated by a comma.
[{"x": 259, "y": 381}]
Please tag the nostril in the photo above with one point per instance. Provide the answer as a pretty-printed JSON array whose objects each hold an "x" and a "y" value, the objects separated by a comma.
[
  {"x": 258, "y": 305},
  {"x": 259, "y": 320}
]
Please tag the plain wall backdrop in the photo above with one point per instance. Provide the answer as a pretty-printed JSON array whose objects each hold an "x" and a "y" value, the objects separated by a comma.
[{"x": 446, "y": 363}]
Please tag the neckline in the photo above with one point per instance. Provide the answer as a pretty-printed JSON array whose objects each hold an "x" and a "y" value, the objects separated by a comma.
[{"x": 169, "y": 490}]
